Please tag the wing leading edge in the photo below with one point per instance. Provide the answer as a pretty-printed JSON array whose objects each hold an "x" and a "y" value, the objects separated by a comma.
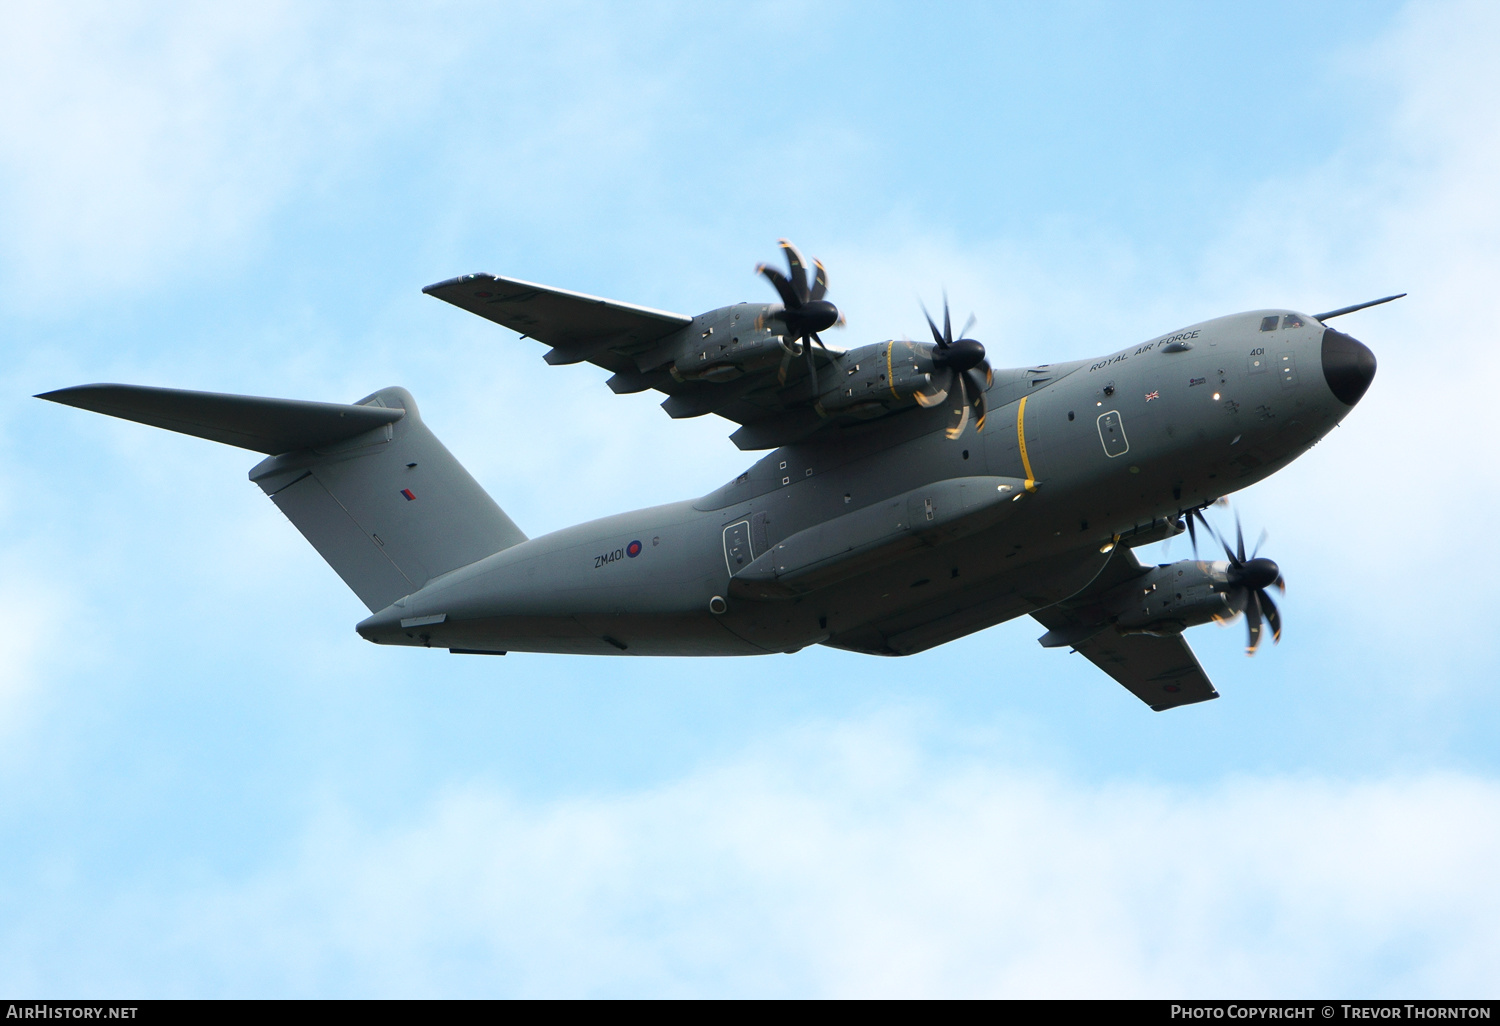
[{"x": 577, "y": 326}]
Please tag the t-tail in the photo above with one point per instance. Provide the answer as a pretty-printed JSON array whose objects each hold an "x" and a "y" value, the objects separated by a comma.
[{"x": 373, "y": 490}]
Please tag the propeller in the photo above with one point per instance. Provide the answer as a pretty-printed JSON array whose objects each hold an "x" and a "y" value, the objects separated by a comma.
[
  {"x": 960, "y": 374},
  {"x": 1249, "y": 577},
  {"x": 804, "y": 310}
]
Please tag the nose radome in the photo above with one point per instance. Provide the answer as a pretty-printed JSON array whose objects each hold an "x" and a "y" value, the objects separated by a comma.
[{"x": 1348, "y": 366}]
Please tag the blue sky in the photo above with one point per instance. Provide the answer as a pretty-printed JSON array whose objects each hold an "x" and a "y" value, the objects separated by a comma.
[{"x": 210, "y": 786}]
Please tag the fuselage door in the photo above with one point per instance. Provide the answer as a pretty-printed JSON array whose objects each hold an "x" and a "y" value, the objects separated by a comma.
[{"x": 1112, "y": 434}]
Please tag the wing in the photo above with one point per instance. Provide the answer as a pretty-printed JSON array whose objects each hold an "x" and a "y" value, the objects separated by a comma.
[
  {"x": 1160, "y": 671},
  {"x": 578, "y": 327},
  {"x": 772, "y": 400}
]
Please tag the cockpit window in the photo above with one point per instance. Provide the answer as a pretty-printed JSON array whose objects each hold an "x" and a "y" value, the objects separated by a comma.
[
  {"x": 1291, "y": 321},
  {"x": 1269, "y": 323}
]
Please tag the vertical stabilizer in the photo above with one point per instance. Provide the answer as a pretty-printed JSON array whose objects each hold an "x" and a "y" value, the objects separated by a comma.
[{"x": 389, "y": 509}]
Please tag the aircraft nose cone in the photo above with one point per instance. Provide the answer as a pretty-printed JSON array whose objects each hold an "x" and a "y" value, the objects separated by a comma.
[{"x": 1348, "y": 366}]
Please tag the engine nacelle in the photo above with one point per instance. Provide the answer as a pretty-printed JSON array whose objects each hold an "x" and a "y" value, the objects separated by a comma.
[
  {"x": 723, "y": 344},
  {"x": 878, "y": 377},
  {"x": 1169, "y": 599}
]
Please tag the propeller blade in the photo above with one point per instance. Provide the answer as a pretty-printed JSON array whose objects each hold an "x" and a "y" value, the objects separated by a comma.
[
  {"x": 786, "y": 361},
  {"x": 1264, "y": 534},
  {"x": 934, "y": 393},
  {"x": 1239, "y": 535},
  {"x": 1197, "y": 515},
  {"x": 989, "y": 374},
  {"x": 812, "y": 368},
  {"x": 820, "y": 282},
  {"x": 1279, "y": 584},
  {"x": 783, "y": 286},
  {"x": 1252, "y": 623},
  {"x": 1192, "y": 531},
  {"x": 975, "y": 388},
  {"x": 1273, "y": 615},
  {"x": 967, "y": 325},
  {"x": 1228, "y": 552},
  {"x": 947, "y": 321},
  {"x": 937, "y": 336},
  {"x": 960, "y": 417},
  {"x": 798, "y": 267}
]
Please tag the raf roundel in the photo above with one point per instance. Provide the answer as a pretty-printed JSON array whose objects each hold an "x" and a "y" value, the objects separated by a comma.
[{"x": 633, "y": 549}]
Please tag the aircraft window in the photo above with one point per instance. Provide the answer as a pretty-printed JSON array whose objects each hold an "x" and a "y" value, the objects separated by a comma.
[
  {"x": 1269, "y": 323},
  {"x": 1291, "y": 321}
]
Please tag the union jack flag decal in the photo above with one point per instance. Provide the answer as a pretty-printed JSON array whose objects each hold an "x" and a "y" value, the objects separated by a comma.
[{"x": 1152, "y": 395}]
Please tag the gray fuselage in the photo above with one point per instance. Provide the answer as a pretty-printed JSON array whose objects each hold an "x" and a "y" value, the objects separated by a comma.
[{"x": 1104, "y": 451}]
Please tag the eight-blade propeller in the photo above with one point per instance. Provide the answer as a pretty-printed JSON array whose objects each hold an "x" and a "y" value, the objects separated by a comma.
[
  {"x": 961, "y": 374},
  {"x": 1249, "y": 577},
  {"x": 804, "y": 310}
]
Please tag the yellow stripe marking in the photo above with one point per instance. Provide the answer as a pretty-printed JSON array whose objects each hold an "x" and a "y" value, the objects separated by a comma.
[
  {"x": 890, "y": 375},
  {"x": 1021, "y": 438}
]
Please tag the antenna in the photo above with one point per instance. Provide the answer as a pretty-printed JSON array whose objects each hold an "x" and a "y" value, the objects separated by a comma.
[{"x": 1358, "y": 306}]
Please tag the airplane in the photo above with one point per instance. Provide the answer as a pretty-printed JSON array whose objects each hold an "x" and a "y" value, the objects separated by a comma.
[{"x": 913, "y": 494}]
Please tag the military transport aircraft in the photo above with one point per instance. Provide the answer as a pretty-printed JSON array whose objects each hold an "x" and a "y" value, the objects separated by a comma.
[{"x": 914, "y": 494}]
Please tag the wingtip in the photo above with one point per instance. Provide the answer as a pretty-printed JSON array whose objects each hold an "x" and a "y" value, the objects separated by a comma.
[
  {"x": 431, "y": 290},
  {"x": 65, "y": 396}
]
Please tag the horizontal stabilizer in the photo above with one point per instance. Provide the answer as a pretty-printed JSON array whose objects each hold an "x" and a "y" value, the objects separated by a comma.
[{"x": 271, "y": 426}]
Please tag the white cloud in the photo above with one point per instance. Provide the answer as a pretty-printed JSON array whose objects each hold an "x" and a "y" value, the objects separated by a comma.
[
  {"x": 854, "y": 860},
  {"x": 139, "y": 140}
]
